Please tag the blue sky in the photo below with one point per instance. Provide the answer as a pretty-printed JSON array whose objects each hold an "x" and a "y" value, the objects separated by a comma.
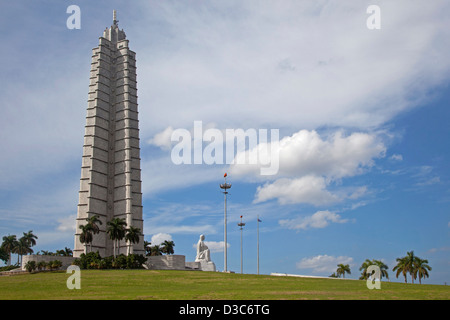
[{"x": 362, "y": 117}]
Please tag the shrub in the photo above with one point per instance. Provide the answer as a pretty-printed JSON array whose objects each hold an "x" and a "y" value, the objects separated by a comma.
[
  {"x": 8, "y": 268},
  {"x": 107, "y": 262},
  {"x": 77, "y": 262},
  {"x": 56, "y": 264},
  {"x": 41, "y": 265},
  {"x": 93, "y": 260},
  {"x": 135, "y": 261},
  {"x": 89, "y": 261},
  {"x": 120, "y": 262},
  {"x": 30, "y": 266}
]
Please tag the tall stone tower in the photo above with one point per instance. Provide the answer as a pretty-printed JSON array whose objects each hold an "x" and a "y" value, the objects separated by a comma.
[{"x": 110, "y": 184}]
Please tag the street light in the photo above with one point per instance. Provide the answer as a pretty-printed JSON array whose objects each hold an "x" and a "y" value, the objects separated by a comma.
[
  {"x": 241, "y": 225},
  {"x": 225, "y": 186}
]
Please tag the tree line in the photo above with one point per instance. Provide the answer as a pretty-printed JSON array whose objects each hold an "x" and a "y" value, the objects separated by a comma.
[
  {"x": 410, "y": 264},
  {"x": 20, "y": 246},
  {"x": 117, "y": 231}
]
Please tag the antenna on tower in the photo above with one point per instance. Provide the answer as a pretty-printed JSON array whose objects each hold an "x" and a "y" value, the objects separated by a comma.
[{"x": 115, "y": 17}]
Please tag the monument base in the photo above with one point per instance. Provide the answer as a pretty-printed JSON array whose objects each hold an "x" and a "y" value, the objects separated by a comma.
[
  {"x": 177, "y": 262},
  {"x": 201, "y": 266},
  {"x": 167, "y": 262},
  {"x": 207, "y": 266}
]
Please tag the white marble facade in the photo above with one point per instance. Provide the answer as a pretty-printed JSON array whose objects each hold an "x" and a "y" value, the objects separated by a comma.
[{"x": 110, "y": 184}]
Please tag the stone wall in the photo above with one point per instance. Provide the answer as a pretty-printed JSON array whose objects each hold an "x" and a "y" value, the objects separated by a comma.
[
  {"x": 166, "y": 262},
  {"x": 66, "y": 261}
]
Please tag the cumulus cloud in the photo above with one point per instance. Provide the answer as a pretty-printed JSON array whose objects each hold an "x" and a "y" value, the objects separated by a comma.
[
  {"x": 162, "y": 139},
  {"x": 306, "y": 152},
  {"x": 308, "y": 164},
  {"x": 159, "y": 238},
  {"x": 309, "y": 189},
  {"x": 323, "y": 263},
  {"x": 320, "y": 219}
]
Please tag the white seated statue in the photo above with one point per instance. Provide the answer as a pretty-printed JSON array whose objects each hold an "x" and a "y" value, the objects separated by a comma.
[{"x": 203, "y": 253}]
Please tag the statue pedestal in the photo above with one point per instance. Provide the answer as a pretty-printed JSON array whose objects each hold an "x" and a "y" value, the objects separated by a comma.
[
  {"x": 207, "y": 265},
  {"x": 201, "y": 265}
]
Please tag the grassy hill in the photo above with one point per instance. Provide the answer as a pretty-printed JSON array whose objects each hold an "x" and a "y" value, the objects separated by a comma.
[{"x": 196, "y": 285}]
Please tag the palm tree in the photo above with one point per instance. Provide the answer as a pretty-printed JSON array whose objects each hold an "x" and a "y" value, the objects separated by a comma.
[
  {"x": 22, "y": 248},
  {"x": 155, "y": 250},
  {"x": 116, "y": 231},
  {"x": 167, "y": 247},
  {"x": 30, "y": 238},
  {"x": 86, "y": 235},
  {"x": 132, "y": 236},
  {"x": 363, "y": 268},
  {"x": 9, "y": 244},
  {"x": 3, "y": 255},
  {"x": 383, "y": 268},
  {"x": 401, "y": 267},
  {"x": 342, "y": 269},
  {"x": 93, "y": 222},
  {"x": 147, "y": 247},
  {"x": 410, "y": 264},
  {"x": 421, "y": 268},
  {"x": 68, "y": 252}
]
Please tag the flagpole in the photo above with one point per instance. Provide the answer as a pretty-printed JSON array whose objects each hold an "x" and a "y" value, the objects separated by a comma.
[
  {"x": 257, "y": 243},
  {"x": 241, "y": 225}
]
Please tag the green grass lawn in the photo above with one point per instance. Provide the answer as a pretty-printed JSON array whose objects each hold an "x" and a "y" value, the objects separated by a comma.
[{"x": 196, "y": 285}]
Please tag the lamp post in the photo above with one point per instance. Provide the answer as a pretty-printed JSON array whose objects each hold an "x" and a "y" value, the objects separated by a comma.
[
  {"x": 225, "y": 186},
  {"x": 241, "y": 225}
]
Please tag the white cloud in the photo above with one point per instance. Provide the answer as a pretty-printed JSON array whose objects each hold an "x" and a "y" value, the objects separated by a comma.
[
  {"x": 441, "y": 249},
  {"x": 213, "y": 246},
  {"x": 424, "y": 176},
  {"x": 396, "y": 157},
  {"x": 162, "y": 139},
  {"x": 306, "y": 153},
  {"x": 312, "y": 163},
  {"x": 428, "y": 182},
  {"x": 159, "y": 238},
  {"x": 67, "y": 224},
  {"x": 320, "y": 219},
  {"x": 308, "y": 189},
  {"x": 323, "y": 263},
  {"x": 299, "y": 64}
]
